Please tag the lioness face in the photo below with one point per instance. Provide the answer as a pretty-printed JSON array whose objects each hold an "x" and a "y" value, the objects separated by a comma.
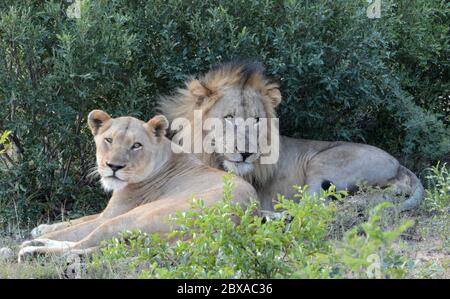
[
  {"x": 128, "y": 149},
  {"x": 234, "y": 106}
]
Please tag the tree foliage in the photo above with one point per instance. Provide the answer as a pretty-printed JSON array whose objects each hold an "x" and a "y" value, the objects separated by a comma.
[{"x": 343, "y": 76}]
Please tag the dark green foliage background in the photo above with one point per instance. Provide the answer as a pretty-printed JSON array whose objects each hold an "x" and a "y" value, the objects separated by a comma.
[{"x": 343, "y": 76}]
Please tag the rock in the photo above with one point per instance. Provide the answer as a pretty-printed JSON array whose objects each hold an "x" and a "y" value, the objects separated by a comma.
[{"x": 6, "y": 253}]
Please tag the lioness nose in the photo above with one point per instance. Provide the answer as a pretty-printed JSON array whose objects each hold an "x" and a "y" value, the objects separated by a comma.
[
  {"x": 115, "y": 167},
  {"x": 245, "y": 155}
]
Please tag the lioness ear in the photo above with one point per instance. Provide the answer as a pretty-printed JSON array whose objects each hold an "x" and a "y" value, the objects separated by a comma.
[
  {"x": 97, "y": 119},
  {"x": 274, "y": 94},
  {"x": 158, "y": 125},
  {"x": 199, "y": 90}
]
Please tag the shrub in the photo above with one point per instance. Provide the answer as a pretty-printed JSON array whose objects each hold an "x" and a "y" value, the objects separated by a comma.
[
  {"x": 4, "y": 144},
  {"x": 211, "y": 245},
  {"x": 437, "y": 195},
  {"x": 437, "y": 203},
  {"x": 54, "y": 71},
  {"x": 342, "y": 75},
  {"x": 420, "y": 30}
]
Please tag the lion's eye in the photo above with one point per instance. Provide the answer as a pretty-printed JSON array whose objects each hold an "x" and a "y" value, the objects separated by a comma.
[
  {"x": 136, "y": 145},
  {"x": 108, "y": 140}
]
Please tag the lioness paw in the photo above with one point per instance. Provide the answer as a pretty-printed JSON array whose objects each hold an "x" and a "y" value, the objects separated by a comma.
[
  {"x": 46, "y": 243},
  {"x": 31, "y": 243},
  {"x": 27, "y": 253}
]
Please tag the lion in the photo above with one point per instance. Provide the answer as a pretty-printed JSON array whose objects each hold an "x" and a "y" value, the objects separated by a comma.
[
  {"x": 241, "y": 90},
  {"x": 149, "y": 182}
]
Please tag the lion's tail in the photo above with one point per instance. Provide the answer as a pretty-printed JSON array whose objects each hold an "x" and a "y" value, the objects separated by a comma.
[{"x": 416, "y": 190}]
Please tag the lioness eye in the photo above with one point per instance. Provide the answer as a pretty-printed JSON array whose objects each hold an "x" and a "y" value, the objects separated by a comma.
[
  {"x": 136, "y": 145},
  {"x": 108, "y": 140}
]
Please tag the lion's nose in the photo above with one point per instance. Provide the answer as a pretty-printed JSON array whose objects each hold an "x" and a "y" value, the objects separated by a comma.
[
  {"x": 245, "y": 156},
  {"x": 115, "y": 167}
]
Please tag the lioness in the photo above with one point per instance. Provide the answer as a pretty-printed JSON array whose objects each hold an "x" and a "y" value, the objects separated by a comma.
[
  {"x": 149, "y": 183},
  {"x": 236, "y": 90}
]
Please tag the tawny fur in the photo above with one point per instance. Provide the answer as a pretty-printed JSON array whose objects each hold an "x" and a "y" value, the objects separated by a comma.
[
  {"x": 244, "y": 91},
  {"x": 157, "y": 183}
]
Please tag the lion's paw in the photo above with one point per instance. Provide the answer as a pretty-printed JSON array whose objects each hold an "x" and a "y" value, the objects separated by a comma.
[
  {"x": 27, "y": 253},
  {"x": 34, "y": 243},
  {"x": 46, "y": 243}
]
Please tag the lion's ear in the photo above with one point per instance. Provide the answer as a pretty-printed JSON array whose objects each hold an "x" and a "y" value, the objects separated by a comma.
[
  {"x": 199, "y": 90},
  {"x": 273, "y": 92},
  {"x": 97, "y": 119},
  {"x": 158, "y": 126}
]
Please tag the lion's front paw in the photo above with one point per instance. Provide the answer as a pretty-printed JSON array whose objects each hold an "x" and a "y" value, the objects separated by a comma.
[
  {"x": 47, "y": 243},
  {"x": 40, "y": 230},
  {"x": 35, "y": 243},
  {"x": 27, "y": 253},
  {"x": 36, "y": 247}
]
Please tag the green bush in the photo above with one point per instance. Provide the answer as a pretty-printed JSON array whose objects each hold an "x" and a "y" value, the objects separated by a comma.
[
  {"x": 209, "y": 244},
  {"x": 343, "y": 76},
  {"x": 437, "y": 195},
  {"x": 420, "y": 35},
  {"x": 54, "y": 71},
  {"x": 4, "y": 144},
  {"x": 437, "y": 203}
]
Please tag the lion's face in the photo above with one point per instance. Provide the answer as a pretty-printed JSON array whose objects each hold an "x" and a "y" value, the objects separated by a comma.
[
  {"x": 128, "y": 149},
  {"x": 236, "y": 105},
  {"x": 230, "y": 92}
]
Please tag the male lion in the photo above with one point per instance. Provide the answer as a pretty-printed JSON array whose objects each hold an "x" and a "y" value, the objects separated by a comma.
[
  {"x": 149, "y": 183},
  {"x": 240, "y": 90}
]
